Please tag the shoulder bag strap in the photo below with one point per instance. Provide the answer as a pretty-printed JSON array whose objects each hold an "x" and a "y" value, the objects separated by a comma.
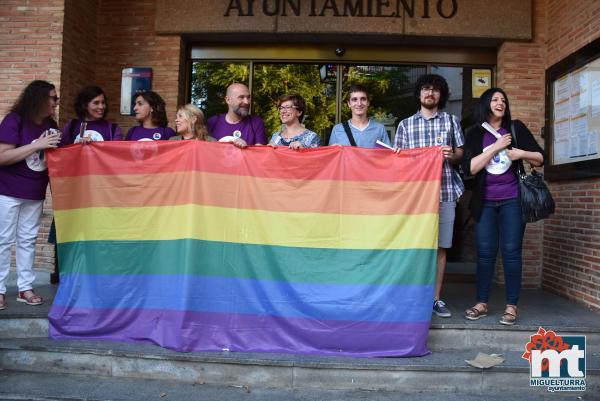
[
  {"x": 349, "y": 133},
  {"x": 452, "y": 133},
  {"x": 520, "y": 166}
]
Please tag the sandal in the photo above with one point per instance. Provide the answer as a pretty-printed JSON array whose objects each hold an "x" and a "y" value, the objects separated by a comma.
[
  {"x": 476, "y": 313},
  {"x": 29, "y": 299},
  {"x": 2, "y": 301},
  {"x": 510, "y": 315}
]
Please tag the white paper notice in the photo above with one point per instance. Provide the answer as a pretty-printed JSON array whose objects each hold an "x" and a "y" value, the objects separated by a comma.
[
  {"x": 575, "y": 106},
  {"x": 579, "y": 137},
  {"x": 574, "y": 82},
  {"x": 583, "y": 144},
  {"x": 596, "y": 98},
  {"x": 561, "y": 89},
  {"x": 583, "y": 90},
  {"x": 561, "y": 141},
  {"x": 593, "y": 143},
  {"x": 562, "y": 130},
  {"x": 561, "y": 111}
]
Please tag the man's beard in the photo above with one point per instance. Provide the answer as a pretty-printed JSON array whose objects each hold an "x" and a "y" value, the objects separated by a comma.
[
  {"x": 241, "y": 111},
  {"x": 430, "y": 106}
]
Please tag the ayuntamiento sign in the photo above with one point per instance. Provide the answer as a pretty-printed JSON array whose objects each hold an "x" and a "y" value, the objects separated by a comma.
[{"x": 509, "y": 19}]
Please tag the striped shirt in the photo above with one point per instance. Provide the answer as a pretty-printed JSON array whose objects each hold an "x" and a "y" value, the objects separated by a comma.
[{"x": 419, "y": 132}]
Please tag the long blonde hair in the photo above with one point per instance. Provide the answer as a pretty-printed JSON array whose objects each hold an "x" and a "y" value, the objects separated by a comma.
[{"x": 199, "y": 129}]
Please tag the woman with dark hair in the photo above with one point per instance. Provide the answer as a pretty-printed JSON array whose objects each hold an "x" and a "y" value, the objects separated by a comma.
[
  {"x": 293, "y": 134},
  {"x": 190, "y": 124},
  {"x": 492, "y": 155},
  {"x": 90, "y": 125},
  {"x": 25, "y": 133},
  {"x": 150, "y": 112}
]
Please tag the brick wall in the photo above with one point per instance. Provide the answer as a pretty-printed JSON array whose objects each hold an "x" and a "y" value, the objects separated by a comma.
[
  {"x": 30, "y": 44},
  {"x": 31, "y": 48},
  {"x": 79, "y": 51},
  {"x": 104, "y": 36},
  {"x": 127, "y": 39},
  {"x": 572, "y": 235},
  {"x": 100, "y": 38},
  {"x": 521, "y": 74}
]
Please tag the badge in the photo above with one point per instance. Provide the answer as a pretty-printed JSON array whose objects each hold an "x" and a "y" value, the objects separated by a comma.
[
  {"x": 156, "y": 136},
  {"x": 499, "y": 164},
  {"x": 94, "y": 136},
  {"x": 36, "y": 161},
  {"x": 237, "y": 133},
  {"x": 439, "y": 140}
]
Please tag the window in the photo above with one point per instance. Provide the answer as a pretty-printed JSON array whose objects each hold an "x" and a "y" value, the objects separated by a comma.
[{"x": 573, "y": 115}]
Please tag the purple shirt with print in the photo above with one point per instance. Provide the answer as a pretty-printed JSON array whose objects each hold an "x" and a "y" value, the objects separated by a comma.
[
  {"x": 499, "y": 186},
  {"x": 156, "y": 134},
  {"x": 251, "y": 129},
  {"x": 108, "y": 131},
  {"x": 28, "y": 178}
]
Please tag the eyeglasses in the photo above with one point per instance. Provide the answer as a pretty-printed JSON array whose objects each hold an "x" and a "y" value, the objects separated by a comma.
[
  {"x": 286, "y": 108},
  {"x": 55, "y": 98},
  {"x": 426, "y": 89}
]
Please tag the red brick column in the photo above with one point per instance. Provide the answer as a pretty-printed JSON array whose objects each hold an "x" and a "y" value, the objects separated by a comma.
[{"x": 31, "y": 48}]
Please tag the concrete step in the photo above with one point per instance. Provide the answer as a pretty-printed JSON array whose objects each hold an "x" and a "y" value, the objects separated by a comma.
[
  {"x": 539, "y": 309},
  {"x": 46, "y": 387},
  {"x": 29, "y": 327},
  {"x": 466, "y": 335},
  {"x": 441, "y": 371}
]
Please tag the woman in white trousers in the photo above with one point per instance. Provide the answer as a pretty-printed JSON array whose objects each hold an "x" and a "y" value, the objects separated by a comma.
[{"x": 25, "y": 133}]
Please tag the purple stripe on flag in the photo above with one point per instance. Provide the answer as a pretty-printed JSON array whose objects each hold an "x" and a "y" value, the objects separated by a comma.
[{"x": 187, "y": 331}]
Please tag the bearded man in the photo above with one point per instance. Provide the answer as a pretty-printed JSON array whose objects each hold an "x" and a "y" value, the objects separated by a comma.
[
  {"x": 432, "y": 127},
  {"x": 245, "y": 129}
]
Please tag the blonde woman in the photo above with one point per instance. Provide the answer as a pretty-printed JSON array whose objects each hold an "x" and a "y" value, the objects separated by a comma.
[{"x": 190, "y": 124}]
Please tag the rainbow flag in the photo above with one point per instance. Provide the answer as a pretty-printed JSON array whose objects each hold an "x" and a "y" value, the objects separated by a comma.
[{"x": 199, "y": 246}]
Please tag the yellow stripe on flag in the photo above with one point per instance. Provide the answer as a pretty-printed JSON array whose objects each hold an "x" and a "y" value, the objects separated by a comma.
[{"x": 247, "y": 226}]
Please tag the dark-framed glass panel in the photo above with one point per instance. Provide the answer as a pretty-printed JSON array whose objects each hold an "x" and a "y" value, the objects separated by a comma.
[
  {"x": 270, "y": 81},
  {"x": 210, "y": 80},
  {"x": 572, "y": 130},
  {"x": 390, "y": 89}
]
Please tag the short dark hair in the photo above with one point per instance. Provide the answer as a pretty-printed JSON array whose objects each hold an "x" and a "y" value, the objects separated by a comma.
[
  {"x": 84, "y": 97},
  {"x": 32, "y": 99},
  {"x": 357, "y": 88},
  {"x": 438, "y": 82},
  {"x": 483, "y": 110},
  {"x": 297, "y": 101},
  {"x": 159, "y": 108}
]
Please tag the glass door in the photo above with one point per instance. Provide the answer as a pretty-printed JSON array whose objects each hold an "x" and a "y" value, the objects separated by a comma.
[
  {"x": 323, "y": 86},
  {"x": 270, "y": 81}
]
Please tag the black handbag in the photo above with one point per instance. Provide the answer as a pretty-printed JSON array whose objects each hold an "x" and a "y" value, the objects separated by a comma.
[{"x": 536, "y": 200}]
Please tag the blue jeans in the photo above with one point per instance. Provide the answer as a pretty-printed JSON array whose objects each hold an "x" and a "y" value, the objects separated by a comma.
[{"x": 500, "y": 224}]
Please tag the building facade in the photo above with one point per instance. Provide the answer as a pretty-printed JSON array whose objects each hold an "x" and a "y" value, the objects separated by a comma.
[{"x": 73, "y": 43}]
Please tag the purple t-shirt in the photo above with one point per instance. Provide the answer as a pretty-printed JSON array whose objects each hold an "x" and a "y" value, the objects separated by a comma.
[
  {"x": 140, "y": 133},
  {"x": 500, "y": 179},
  {"x": 251, "y": 129},
  {"x": 100, "y": 130},
  {"x": 28, "y": 178}
]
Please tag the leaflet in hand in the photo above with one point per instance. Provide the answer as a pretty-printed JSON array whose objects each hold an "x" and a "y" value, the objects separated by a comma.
[
  {"x": 491, "y": 130},
  {"x": 385, "y": 145}
]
